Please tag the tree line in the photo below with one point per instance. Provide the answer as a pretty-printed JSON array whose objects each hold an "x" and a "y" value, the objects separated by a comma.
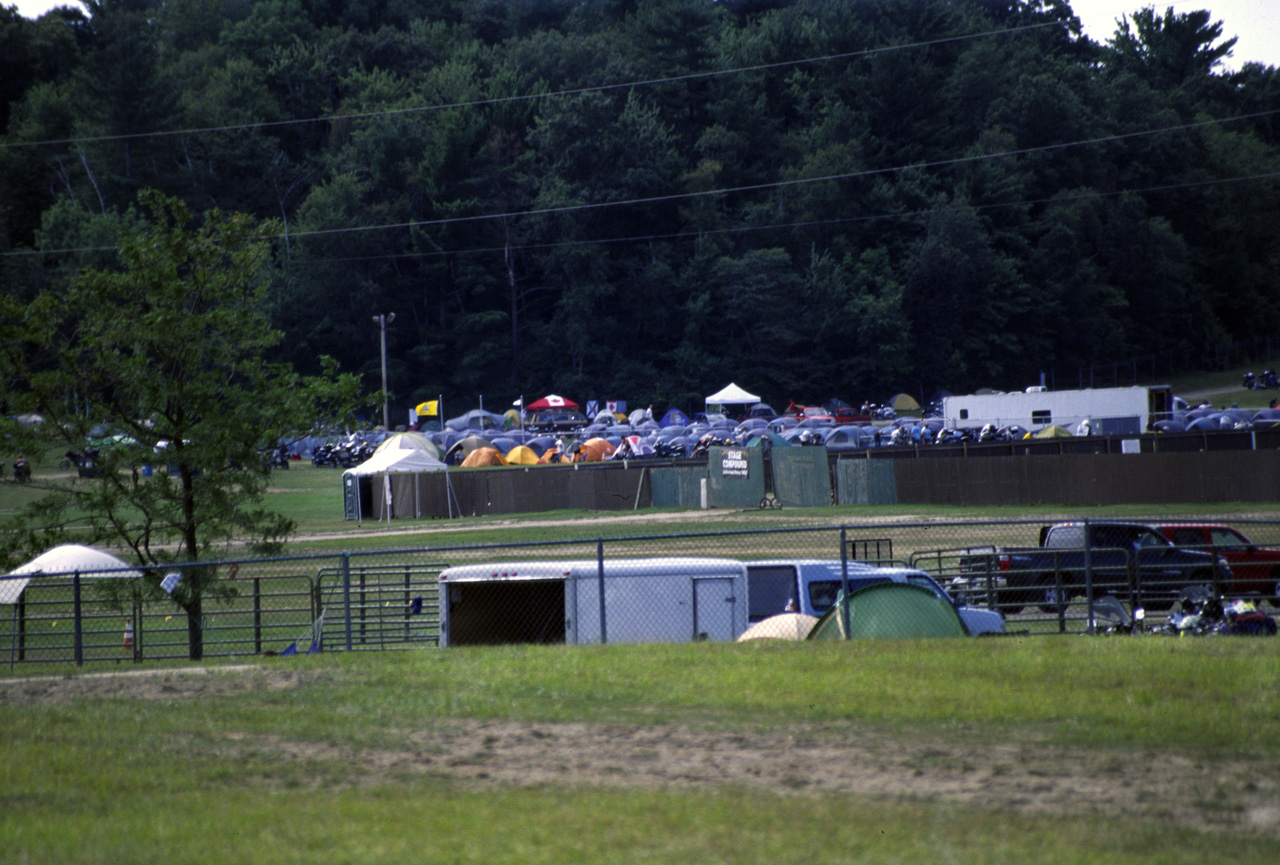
[{"x": 646, "y": 199}]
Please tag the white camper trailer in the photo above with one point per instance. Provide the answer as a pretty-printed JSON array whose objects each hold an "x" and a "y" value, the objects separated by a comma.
[
  {"x": 659, "y": 600},
  {"x": 1109, "y": 410}
]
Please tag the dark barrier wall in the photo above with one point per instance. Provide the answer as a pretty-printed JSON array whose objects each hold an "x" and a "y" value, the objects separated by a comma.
[
  {"x": 1092, "y": 479},
  {"x": 1194, "y": 477}
]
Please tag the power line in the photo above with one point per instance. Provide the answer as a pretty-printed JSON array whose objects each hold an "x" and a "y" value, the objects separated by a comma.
[
  {"x": 480, "y": 103},
  {"x": 657, "y": 199},
  {"x": 1058, "y": 199}
]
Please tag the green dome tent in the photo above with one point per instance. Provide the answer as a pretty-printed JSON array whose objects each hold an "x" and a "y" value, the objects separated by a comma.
[{"x": 890, "y": 611}]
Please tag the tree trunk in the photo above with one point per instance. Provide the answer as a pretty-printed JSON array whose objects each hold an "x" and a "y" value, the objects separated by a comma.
[{"x": 195, "y": 628}]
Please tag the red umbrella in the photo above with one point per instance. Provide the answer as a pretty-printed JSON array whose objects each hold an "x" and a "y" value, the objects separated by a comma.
[{"x": 552, "y": 401}]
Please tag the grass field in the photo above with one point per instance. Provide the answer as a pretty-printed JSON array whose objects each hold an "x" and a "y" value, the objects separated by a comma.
[{"x": 1074, "y": 750}]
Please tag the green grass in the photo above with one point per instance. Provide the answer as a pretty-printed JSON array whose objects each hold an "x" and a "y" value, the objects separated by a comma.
[{"x": 208, "y": 779}]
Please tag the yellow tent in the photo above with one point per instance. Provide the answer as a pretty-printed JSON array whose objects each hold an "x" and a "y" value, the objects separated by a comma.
[
  {"x": 520, "y": 455},
  {"x": 904, "y": 402},
  {"x": 1054, "y": 431}
]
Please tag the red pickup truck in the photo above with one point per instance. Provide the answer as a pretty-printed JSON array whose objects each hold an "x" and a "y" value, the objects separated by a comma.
[{"x": 1256, "y": 569}]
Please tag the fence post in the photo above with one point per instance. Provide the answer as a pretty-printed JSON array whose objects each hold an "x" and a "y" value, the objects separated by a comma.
[
  {"x": 78, "y": 623},
  {"x": 257, "y": 616},
  {"x": 600, "y": 580},
  {"x": 346, "y": 595},
  {"x": 844, "y": 581},
  {"x": 1088, "y": 575}
]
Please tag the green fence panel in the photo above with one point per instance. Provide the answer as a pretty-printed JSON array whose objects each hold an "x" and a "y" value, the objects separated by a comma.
[
  {"x": 801, "y": 478},
  {"x": 866, "y": 482},
  {"x": 677, "y": 486},
  {"x": 735, "y": 477}
]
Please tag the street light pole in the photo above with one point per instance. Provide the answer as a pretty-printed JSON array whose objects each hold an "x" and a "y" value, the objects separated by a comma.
[{"x": 382, "y": 321}]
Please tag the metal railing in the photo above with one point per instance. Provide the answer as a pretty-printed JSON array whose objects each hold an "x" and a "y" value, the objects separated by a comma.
[{"x": 392, "y": 599}]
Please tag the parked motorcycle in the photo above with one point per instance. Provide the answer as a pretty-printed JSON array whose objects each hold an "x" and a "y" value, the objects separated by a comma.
[
  {"x": 1201, "y": 613},
  {"x": 279, "y": 458},
  {"x": 1108, "y": 616},
  {"x": 21, "y": 471}
]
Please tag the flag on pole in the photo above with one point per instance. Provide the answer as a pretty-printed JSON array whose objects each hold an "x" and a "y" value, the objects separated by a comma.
[{"x": 428, "y": 409}]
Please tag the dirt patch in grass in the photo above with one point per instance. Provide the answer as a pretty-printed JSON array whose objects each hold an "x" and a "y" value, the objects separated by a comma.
[{"x": 1026, "y": 777}]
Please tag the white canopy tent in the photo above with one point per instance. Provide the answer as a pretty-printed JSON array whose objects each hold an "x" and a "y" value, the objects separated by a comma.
[
  {"x": 65, "y": 561},
  {"x": 732, "y": 395},
  {"x": 401, "y": 454}
]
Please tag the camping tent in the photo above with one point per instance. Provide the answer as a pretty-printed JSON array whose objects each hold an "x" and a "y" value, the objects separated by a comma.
[
  {"x": 594, "y": 451},
  {"x": 393, "y": 472},
  {"x": 732, "y": 395},
  {"x": 784, "y": 626},
  {"x": 522, "y": 455},
  {"x": 65, "y": 561},
  {"x": 904, "y": 402},
  {"x": 1053, "y": 431},
  {"x": 476, "y": 419},
  {"x": 893, "y": 611},
  {"x": 674, "y": 417},
  {"x": 481, "y": 457}
]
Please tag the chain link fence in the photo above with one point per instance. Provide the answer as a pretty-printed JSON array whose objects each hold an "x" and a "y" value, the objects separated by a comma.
[{"x": 658, "y": 587}]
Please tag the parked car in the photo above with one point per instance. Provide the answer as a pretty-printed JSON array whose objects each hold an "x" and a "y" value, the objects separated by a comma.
[{"x": 1256, "y": 568}]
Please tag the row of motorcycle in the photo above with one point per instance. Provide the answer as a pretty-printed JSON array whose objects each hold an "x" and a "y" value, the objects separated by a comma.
[
  {"x": 1267, "y": 381},
  {"x": 344, "y": 454},
  {"x": 1198, "y": 613}
]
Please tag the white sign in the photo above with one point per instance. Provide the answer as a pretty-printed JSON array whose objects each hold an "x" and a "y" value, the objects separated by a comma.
[{"x": 733, "y": 463}]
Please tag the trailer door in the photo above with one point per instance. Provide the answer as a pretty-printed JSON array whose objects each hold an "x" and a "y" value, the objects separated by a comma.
[{"x": 714, "y": 610}]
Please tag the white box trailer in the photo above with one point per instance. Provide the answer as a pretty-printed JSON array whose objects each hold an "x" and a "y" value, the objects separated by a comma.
[
  {"x": 1110, "y": 410},
  {"x": 659, "y": 600}
]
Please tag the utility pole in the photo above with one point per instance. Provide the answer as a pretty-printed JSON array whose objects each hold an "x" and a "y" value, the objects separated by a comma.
[{"x": 382, "y": 321}]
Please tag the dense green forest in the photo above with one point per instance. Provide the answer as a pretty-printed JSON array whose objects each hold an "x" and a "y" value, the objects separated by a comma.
[{"x": 646, "y": 199}]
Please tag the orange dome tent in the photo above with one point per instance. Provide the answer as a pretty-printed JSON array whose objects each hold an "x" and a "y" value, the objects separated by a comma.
[{"x": 484, "y": 457}]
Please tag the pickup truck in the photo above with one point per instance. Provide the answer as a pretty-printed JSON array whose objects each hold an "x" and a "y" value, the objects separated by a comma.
[
  {"x": 1256, "y": 568},
  {"x": 1123, "y": 559}
]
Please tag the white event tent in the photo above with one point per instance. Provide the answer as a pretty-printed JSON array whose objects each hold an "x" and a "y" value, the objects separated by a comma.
[
  {"x": 732, "y": 395},
  {"x": 391, "y": 475}
]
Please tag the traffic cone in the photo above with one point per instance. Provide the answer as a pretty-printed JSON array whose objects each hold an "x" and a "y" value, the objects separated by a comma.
[{"x": 128, "y": 634}]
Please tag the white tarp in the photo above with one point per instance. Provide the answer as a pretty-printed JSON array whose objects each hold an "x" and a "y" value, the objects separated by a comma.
[
  {"x": 732, "y": 395},
  {"x": 65, "y": 561},
  {"x": 403, "y": 452}
]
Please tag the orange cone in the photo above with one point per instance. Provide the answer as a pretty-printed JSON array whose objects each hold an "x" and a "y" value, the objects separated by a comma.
[{"x": 128, "y": 634}]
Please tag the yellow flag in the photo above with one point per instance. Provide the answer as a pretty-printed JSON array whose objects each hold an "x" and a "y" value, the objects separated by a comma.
[{"x": 427, "y": 409}]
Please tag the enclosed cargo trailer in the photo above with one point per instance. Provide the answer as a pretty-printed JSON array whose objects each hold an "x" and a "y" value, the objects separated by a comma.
[{"x": 659, "y": 600}]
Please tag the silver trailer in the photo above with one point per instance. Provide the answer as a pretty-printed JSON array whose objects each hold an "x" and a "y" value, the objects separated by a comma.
[{"x": 659, "y": 600}]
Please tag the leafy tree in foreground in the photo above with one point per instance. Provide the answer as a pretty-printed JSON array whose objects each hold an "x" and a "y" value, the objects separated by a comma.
[{"x": 161, "y": 362}]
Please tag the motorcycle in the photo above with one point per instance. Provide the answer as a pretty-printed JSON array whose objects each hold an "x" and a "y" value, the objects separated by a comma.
[
  {"x": 279, "y": 458},
  {"x": 1249, "y": 382},
  {"x": 21, "y": 471},
  {"x": 1107, "y": 616},
  {"x": 86, "y": 462}
]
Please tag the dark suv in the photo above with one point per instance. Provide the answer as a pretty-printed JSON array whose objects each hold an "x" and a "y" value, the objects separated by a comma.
[{"x": 555, "y": 420}]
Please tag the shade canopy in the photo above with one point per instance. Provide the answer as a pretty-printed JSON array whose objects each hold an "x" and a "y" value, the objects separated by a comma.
[
  {"x": 65, "y": 561},
  {"x": 732, "y": 395},
  {"x": 552, "y": 400}
]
